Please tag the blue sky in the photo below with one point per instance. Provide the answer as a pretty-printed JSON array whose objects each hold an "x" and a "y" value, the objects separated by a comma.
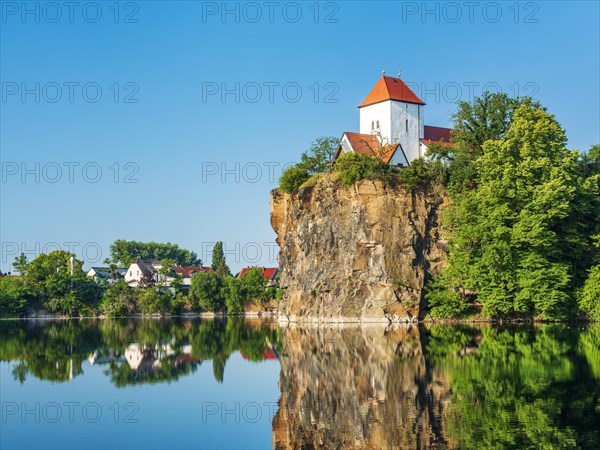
[{"x": 114, "y": 124}]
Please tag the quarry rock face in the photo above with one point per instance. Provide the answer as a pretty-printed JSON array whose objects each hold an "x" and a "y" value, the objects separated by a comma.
[{"x": 358, "y": 253}]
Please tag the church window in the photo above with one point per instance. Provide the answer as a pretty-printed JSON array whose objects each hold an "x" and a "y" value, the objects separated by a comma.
[
  {"x": 378, "y": 124},
  {"x": 372, "y": 125}
]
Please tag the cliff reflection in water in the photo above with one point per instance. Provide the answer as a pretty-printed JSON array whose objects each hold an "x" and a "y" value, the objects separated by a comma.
[
  {"x": 439, "y": 387},
  {"x": 344, "y": 386}
]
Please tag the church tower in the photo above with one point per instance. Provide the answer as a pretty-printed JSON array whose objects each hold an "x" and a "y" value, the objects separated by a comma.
[{"x": 394, "y": 112}]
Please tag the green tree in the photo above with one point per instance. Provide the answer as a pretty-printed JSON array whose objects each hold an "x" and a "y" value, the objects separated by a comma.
[
  {"x": 316, "y": 160},
  {"x": 589, "y": 299},
  {"x": 590, "y": 161},
  {"x": 151, "y": 300},
  {"x": 124, "y": 253},
  {"x": 207, "y": 291},
  {"x": 235, "y": 295},
  {"x": 219, "y": 265},
  {"x": 20, "y": 264},
  {"x": 254, "y": 284},
  {"x": 61, "y": 284},
  {"x": 118, "y": 300},
  {"x": 486, "y": 118},
  {"x": 14, "y": 296},
  {"x": 521, "y": 238}
]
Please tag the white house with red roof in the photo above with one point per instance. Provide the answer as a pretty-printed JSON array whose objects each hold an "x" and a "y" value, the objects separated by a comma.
[{"x": 392, "y": 125}]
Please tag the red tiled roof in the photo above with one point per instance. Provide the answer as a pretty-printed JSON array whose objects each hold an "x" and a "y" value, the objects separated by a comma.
[
  {"x": 188, "y": 271},
  {"x": 368, "y": 144},
  {"x": 436, "y": 133},
  {"x": 388, "y": 88},
  {"x": 268, "y": 272}
]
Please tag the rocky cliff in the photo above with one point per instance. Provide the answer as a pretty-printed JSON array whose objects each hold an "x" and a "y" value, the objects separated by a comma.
[{"x": 358, "y": 253}]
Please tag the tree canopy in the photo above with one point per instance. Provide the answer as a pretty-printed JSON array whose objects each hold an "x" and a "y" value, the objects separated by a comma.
[
  {"x": 123, "y": 253},
  {"x": 521, "y": 222}
]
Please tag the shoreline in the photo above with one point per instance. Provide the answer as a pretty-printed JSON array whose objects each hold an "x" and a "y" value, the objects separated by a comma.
[{"x": 310, "y": 320}]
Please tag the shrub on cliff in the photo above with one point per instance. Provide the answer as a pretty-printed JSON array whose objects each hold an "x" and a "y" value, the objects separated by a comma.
[
  {"x": 316, "y": 160},
  {"x": 353, "y": 167},
  {"x": 292, "y": 178},
  {"x": 422, "y": 173}
]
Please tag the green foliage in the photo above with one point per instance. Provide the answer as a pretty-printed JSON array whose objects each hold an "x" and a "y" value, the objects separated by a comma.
[
  {"x": 153, "y": 301},
  {"x": 14, "y": 296},
  {"x": 487, "y": 118},
  {"x": 520, "y": 226},
  {"x": 589, "y": 299},
  {"x": 118, "y": 300},
  {"x": 234, "y": 292},
  {"x": 316, "y": 160},
  {"x": 59, "y": 290},
  {"x": 20, "y": 264},
  {"x": 124, "y": 253},
  {"x": 292, "y": 178},
  {"x": 354, "y": 166},
  {"x": 445, "y": 302},
  {"x": 219, "y": 265},
  {"x": 254, "y": 284},
  {"x": 590, "y": 161},
  {"x": 421, "y": 174},
  {"x": 207, "y": 291}
]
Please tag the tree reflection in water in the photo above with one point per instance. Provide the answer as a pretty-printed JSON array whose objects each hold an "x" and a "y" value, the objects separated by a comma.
[
  {"x": 355, "y": 386},
  {"x": 134, "y": 351},
  {"x": 439, "y": 387}
]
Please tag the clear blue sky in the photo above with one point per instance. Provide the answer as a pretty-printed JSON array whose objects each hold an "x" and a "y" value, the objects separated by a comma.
[{"x": 177, "y": 54}]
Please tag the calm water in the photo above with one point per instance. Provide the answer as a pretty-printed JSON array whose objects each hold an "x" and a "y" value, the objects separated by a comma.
[{"x": 250, "y": 384}]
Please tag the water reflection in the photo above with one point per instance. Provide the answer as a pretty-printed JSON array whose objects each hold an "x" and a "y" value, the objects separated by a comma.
[
  {"x": 135, "y": 351},
  {"x": 345, "y": 386},
  {"x": 440, "y": 387}
]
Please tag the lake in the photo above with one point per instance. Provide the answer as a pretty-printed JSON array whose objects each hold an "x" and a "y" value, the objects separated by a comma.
[{"x": 235, "y": 383}]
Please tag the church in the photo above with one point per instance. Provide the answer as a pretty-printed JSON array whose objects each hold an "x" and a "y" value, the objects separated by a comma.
[{"x": 392, "y": 126}]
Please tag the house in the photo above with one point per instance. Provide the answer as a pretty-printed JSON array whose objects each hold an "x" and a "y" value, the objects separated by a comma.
[
  {"x": 147, "y": 271},
  {"x": 269, "y": 273},
  {"x": 143, "y": 271},
  {"x": 392, "y": 126},
  {"x": 187, "y": 272},
  {"x": 100, "y": 273}
]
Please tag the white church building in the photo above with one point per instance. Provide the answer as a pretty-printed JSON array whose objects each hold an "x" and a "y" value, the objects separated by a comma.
[{"x": 392, "y": 125}]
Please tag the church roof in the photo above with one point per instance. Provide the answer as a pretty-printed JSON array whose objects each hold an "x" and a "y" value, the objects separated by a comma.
[
  {"x": 436, "y": 133},
  {"x": 388, "y": 88},
  {"x": 368, "y": 144}
]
